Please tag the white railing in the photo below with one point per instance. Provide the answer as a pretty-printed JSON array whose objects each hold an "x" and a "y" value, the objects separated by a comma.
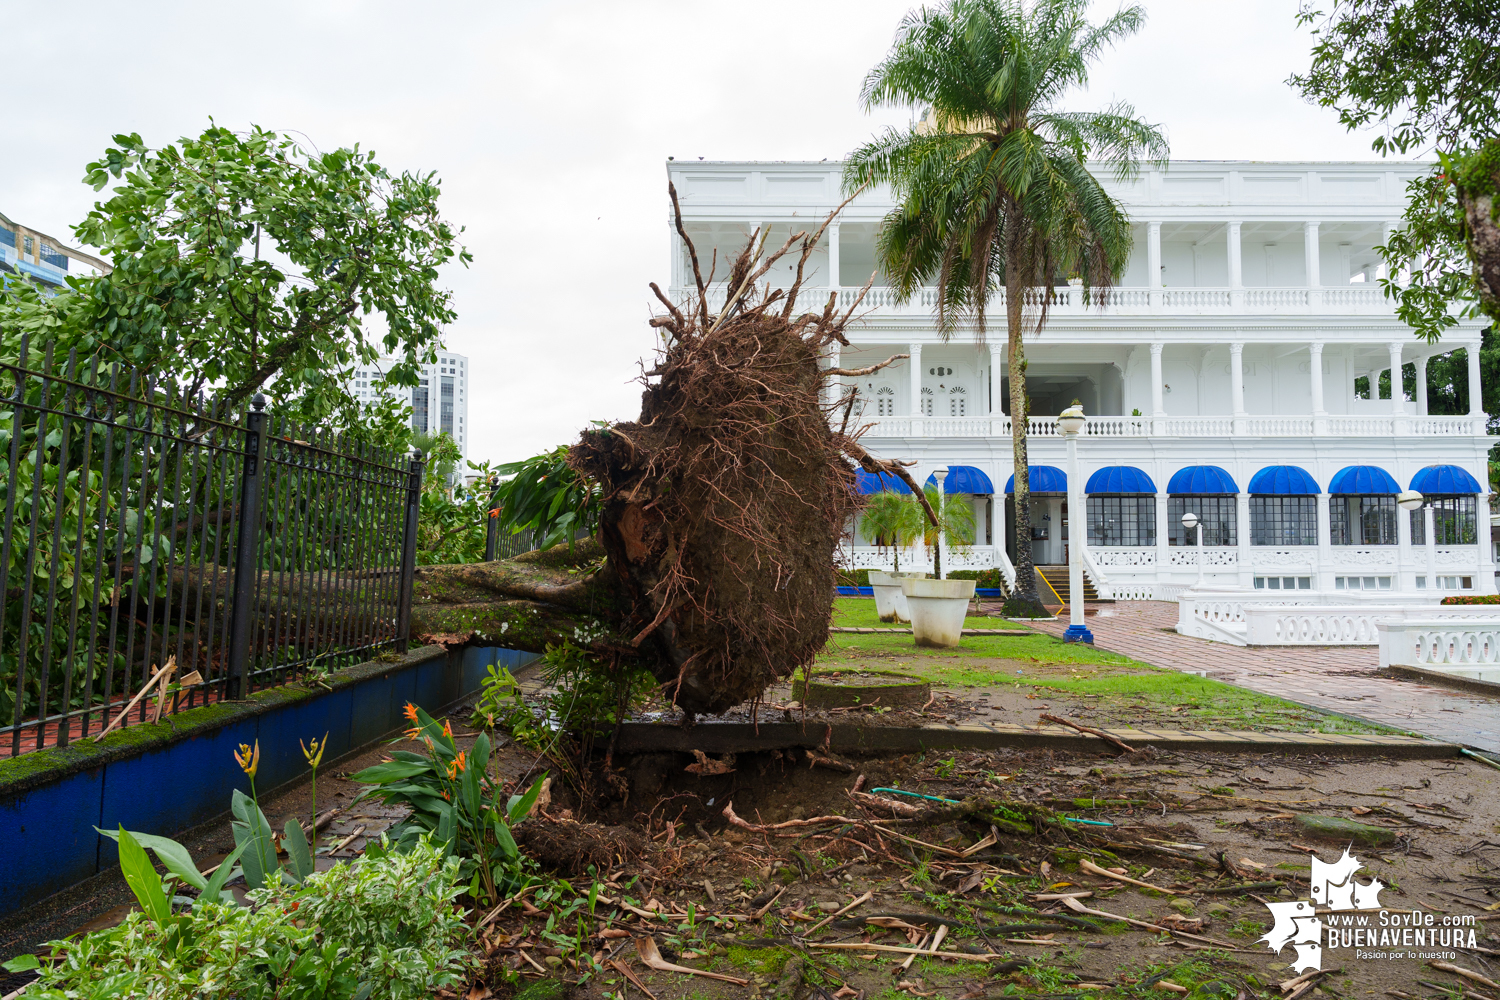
[
  {"x": 1290, "y": 426},
  {"x": 1279, "y": 426},
  {"x": 1212, "y": 556},
  {"x": 1444, "y": 645},
  {"x": 1122, "y": 556},
  {"x": 1194, "y": 298},
  {"x": 1007, "y": 568},
  {"x": 918, "y": 559},
  {"x": 1456, "y": 556},
  {"x": 1278, "y": 625},
  {"x": 1275, "y": 298},
  {"x": 1138, "y": 301}
]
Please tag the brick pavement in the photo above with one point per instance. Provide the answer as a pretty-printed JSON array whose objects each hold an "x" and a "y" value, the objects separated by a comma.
[{"x": 1339, "y": 679}]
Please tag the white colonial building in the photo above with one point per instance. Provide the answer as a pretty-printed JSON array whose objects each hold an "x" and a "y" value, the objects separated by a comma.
[{"x": 1218, "y": 377}]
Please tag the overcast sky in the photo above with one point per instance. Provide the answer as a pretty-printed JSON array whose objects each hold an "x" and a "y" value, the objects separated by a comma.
[{"x": 549, "y": 124}]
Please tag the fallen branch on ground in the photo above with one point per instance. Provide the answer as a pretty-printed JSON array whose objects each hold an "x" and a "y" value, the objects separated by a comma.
[{"x": 1085, "y": 729}]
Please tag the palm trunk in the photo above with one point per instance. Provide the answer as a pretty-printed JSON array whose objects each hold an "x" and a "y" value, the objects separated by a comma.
[{"x": 1015, "y": 292}]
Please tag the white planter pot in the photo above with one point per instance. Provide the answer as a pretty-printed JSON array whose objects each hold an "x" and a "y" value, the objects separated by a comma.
[
  {"x": 890, "y": 603},
  {"x": 938, "y": 608}
]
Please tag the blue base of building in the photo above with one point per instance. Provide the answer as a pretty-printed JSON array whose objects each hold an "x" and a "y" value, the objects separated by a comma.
[
  {"x": 170, "y": 777},
  {"x": 1077, "y": 633}
]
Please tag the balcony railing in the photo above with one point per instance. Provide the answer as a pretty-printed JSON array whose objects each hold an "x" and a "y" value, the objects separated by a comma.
[
  {"x": 1378, "y": 425},
  {"x": 1125, "y": 301}
]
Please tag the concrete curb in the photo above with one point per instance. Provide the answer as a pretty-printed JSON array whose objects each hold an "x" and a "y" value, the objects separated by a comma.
[
  {"x": 740, "y": 737},
  {"x": 1469, "y": 684}
]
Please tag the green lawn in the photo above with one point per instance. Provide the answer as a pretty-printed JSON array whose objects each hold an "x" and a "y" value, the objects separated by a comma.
[{"x": 1115, "y": 689}]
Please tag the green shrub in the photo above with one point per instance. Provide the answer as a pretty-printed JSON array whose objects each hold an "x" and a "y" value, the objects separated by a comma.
[
  {"x": 375, "y": 928},
  {"x": 1472, "y": 599},
  {"x": 984, "y": 579},
  {"x": 854, "y": 578}
]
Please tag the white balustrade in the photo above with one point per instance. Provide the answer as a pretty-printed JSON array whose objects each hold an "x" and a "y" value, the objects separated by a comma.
[
  {"x": 1279, "y": 426},
  {"x": 1199, "y": 426},
  {"x": 1122, "y": 556},
  {"x": 1275, "y": 298},
  {"x": 1215, "y": 556},
  {"x": 1469, "y": 649},
  {"x": 1181, "y": 426}
]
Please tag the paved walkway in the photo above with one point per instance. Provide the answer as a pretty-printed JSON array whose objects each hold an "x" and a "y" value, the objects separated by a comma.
[{"x": 1339, "y": 679}]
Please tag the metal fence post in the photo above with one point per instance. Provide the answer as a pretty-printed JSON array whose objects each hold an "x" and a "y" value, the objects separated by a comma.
[
  {"x": 246, "y": 555},
  {"x": 409, "y": 549}
]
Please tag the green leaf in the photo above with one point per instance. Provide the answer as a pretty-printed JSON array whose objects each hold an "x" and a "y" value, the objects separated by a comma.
[
  {"x": 141, "y": 876},
  {"x": 297, "y": 850},
  {"x": 379, "y": 774},
  {"x": 521, "y": 808},
  {"x": 447, "y": 831},
  {"x": 253, "y": 832},
  {"x": 213, "y": 889},
  {"x": 21, "y": 963},
  {"x": 172, "y": 854},
  {"x": 505, "y": 842}
]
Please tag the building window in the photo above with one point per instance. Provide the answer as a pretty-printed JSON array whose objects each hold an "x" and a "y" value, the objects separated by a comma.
[
  {"x": 419, "y": 409},
  {"x": 926, "y": 402},
  {"x": 957, "y": 398},
  {"x": 1216, "y": 513},
  {"x": 1283, "y": 520},
  {"x": 1453, "y": 521},
  {"x": 1455, "y": 583},
  {"x": 445, "y": 406},
  {"x": 1283, "y": 583},
  {"x": 885, "y": 401},
  {"x": 1362, "y": 520},
  {"x": 1361, "y": 583},
  {"x": 1123, "y": 519}
]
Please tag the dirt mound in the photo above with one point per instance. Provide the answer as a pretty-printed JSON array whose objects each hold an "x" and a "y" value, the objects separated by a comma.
[{"x": 567, "y": 847}]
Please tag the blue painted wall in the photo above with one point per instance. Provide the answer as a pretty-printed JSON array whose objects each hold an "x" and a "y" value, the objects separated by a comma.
[{"x": 167, "y": 786}]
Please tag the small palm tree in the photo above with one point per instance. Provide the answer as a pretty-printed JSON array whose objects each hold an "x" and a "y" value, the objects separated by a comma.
[
  {"x": 894, "y": 519},
  {"x": 955, "y": 520},
  {"x": 993, "y": 185}
]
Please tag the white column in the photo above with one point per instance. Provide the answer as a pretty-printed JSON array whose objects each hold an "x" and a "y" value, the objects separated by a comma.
[
  {"x": 1325, "y": 545},
  {"x": 1391, "y": 226},
  {"x": 1315, "y": 363},
  {"x": 1157, "y": 407},
  {"x": 1163, "y": 540},
  {"x": 1405, "y": 566},
  {"x": 833, "y": 256},
  {"x": 997, "y": 382},
  {"x": 1153, "y": 262},
  {"x": 1476, "y": 388},
  {"x": 1236, "y": 268},
  {"x": 1422, "y": 385},
  {"x": 914, "y": 369},
  {"x": 1236, "y": 386},
  {"x": 1398, "y": 393},
  {"x": 1242, "y": 538},
  {"x": 677, "y": 250},
  {"x": 1311, "y": 263}
]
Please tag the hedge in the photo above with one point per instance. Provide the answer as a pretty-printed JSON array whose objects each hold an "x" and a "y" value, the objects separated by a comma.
[{"x": 1472, "y": 599}]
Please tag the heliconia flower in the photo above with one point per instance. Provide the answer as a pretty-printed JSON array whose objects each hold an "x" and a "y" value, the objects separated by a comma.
[
  {"x": 314, "y": 754},
  {"x": 248, "y": 759},
  {"x": 447, "y": 729},
  {"x": 495, "y": 512},
  {"x": 411, "y": 713},
  {"x": 414, "y": 734},
  {"x": 457, "y": 766},
  {"x": 447, "y": 797}
]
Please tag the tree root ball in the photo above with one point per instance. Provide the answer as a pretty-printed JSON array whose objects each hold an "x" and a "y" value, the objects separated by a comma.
[{"x": 566, "y": 847}]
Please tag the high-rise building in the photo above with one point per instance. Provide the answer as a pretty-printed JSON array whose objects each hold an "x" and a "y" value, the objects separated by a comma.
[{"x": 439, "y": 401}]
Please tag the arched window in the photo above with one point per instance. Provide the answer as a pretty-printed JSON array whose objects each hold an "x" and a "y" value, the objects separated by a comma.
[
  {"x": 1283, "y": 507},
  {"x": 1450, "y": 491},
  {"x": 957, "y": 400},
  {"x": 1362, "y": 507},
  {"x": 1209, "y": 492},
  {"x": 1121, "y": 507},
  {"x": 926, "y": 402},
  {"x": 885, "y": 401}
]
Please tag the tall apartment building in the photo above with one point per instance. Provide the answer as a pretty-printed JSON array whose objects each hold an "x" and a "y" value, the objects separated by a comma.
[
  {"x": 1219, "y": 378},
  {"x": 439, "y": 401}
]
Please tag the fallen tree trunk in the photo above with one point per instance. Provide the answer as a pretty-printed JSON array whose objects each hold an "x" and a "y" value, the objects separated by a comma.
[{"x": 722, "y": 506}]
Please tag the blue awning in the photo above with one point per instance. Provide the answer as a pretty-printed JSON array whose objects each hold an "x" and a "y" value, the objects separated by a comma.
[
  {"x": 1438, "y": 480},
  {"x": 1366, "y": 479},
  {"x": 1201, "y": 479},
  {"x": 869, "y": 482},
  {"x": 1042, "y": 479},
  {"x": 1119, "y": 479},
  {"x": 964, "y": 479},
  {"x": 1283, "y": 480}
]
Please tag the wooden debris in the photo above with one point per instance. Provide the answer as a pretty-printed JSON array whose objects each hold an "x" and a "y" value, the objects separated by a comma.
[
  {"x": 645, "y": 947},
  {"x": 1085, "y": 864}
]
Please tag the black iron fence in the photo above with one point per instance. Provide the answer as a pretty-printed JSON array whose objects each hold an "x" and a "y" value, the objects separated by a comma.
[{"x": 163, "y": 552}]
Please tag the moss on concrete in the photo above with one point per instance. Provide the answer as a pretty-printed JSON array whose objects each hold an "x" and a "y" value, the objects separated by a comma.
[{"x": 21, "y": 774}]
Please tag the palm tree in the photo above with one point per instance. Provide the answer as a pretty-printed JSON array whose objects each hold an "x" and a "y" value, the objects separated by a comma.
[
  {"x": 955, "y": 521},
  {"x": 894, "y": 517},
  {"x": 992, "y": 185}
]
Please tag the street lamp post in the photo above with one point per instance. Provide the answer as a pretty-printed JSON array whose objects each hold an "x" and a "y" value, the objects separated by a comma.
[
  {"x": 1071, "y": 422},
  {"x": 1191, "y": 521},
  {"x": 938, "y": 549},
  {"x": 1410, "y": 500}
]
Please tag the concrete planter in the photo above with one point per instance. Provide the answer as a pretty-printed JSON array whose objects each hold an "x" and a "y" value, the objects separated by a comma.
[
  {"x": 937, "y": 609},
  {"x": 890, "y": 603}
]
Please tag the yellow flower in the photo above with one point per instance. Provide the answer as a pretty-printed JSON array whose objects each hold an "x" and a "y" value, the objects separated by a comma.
[
  {"x": 314, "y": 754},
  {"x": 247, "y": 759}
]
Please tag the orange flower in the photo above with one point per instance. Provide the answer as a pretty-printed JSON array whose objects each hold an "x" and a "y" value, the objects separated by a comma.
[
  {"x": 411, "y": 713},
  {"x": 457, "y": 766},
  {"x": 414, "y": 734},
  {"x": 447, "y": 729},
  {"x": 495, "y": 512},
  {"x": 447, "y": 797},
  {"x": 248, "y": 760}
]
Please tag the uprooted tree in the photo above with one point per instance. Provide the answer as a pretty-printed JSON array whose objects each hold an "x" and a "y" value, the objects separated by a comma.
[{"x": 721, "y": 507}]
